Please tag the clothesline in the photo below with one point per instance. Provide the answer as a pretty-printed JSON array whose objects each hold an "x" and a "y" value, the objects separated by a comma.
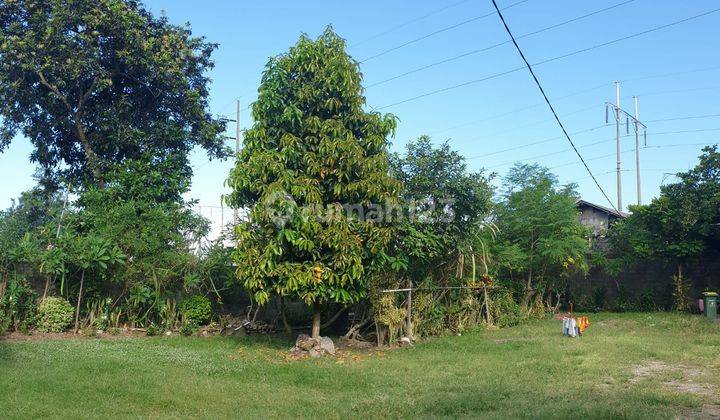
[{"x": 411, "y": 289}]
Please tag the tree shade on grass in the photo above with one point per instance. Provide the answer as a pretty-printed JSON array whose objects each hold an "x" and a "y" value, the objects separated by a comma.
[{"x": 627, "y": 365}]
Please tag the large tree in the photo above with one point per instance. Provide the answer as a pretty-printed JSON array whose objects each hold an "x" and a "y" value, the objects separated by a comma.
[
  {"x": 313, "y": 146},
  {"x": 540, "y": 236},
  {"x": 677, "y": 227},
  {"x": 452, "y": 206},
  {"x": 94, "y": 82}
]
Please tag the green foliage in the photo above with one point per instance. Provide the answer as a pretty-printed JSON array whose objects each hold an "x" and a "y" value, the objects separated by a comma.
[
  {"x": 311, "y": 150},
  {"x": 504, "y": 309},
  {"x": 428, "y": 315},
  {"x": 389, "y": 317},
  {"x": 152, "y": 330},
  {"x": 189, "y": 328},
  {"x": 677, "y": 227},
  {"x": 680, "y": 294},
  {"x": 92, "y": 83},
  {"x": 540, "y": 240},
  {"x": 55, "y": 315},
  {"x": 197, "y": 309},
  {"x": 18, "y": 304},
  {"x": 451, "y": 206}
]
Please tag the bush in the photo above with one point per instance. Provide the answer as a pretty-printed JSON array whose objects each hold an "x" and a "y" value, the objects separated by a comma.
[
  {"x": 54, "y": 315},
  {"x": 189, "y": 328},
  {"x": 197, "y": 309},
  {"x": 18, "y": 305},
  {"x": 152, "y": 330},
  {"x": 4, "y": 323},
  {"x": 505, "y": 311}
]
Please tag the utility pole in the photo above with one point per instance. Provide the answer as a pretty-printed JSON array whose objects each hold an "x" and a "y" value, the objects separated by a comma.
[
  {"x": 619, "y": 112},
  {"x": 237, "y": 146},
  {"x": 237, "y": 151},
  {"x": 637, "y": 152},
  {"x": 617, "y": 146}
]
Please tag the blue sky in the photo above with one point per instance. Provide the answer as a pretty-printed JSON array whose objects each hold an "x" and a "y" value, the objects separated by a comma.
[{"x": 675, "y": 72}]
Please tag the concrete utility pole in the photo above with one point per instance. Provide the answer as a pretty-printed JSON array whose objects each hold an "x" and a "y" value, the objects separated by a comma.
[
  {"x": 617, "y": 146},
  {"x": 637, "y": 153},
  {"x": 237, "y": 151},
  {"x": 628, "y": 120}
]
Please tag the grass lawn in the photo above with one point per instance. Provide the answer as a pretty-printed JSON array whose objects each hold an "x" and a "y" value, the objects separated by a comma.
[{"x": 628, "y": 365}]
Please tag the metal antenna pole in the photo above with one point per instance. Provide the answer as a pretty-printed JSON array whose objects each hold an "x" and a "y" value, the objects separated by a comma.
[
  {"x": 637, "y": 152},
  {"x": 237, "y": 151},
  {"x": 617, "y": 146}
]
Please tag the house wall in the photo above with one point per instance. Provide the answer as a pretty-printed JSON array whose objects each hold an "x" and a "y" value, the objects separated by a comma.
[{"x": 594, "y": 219}]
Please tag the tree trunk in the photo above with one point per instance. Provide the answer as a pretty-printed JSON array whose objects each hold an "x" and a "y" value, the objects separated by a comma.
[
  {"x": 286, "y": 325},
  {"x": 528, "y": 294},
  {"x": 47, "y": 286},
  {"x": 408, "y": 320},
  {"x": 679, "y": 267},
  {"x": 77, "y": 308},
  {"x": 3, "y": 285},
  {"x": 316, "y": 321},
  {"x": 488, "y": 317}
]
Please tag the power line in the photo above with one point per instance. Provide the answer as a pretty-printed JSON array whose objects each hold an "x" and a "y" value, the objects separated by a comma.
[
  {"x": 490, "y": 47},
  {"x": 632, "y": 150},
  {"x": 625, "y": 170},
  {"x": 537, "y": 82},
  {"x": 549, "y": 60},
  {"x": 662, "y": 133},
  {"x": 439, "y": 31},
  {"x": 663, "y": 75},
  {"x": 534, "y": 143},
  {"x": 409, "y": 22},
  {"x": 600, "y": 86},
  {"x": 692, "y": 117},
  {"x": 547, "y": 140}
]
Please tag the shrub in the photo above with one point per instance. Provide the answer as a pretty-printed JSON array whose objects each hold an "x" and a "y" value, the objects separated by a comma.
[
  {"x": 197, "y": 309},
  {"x": 505, "y": 311},
  {"x": 54, "y": 315},
  {"x": 18, "y": 305},
  {"x": 189, "y": 328},
  {"x": 152, "y": 330},
  {"x": 4, "y": 323}
]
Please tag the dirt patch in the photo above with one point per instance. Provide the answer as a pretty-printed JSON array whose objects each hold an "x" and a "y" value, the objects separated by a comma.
[
  {"x": 688, "y": 384},
  {"x": 707, "y": 411}
]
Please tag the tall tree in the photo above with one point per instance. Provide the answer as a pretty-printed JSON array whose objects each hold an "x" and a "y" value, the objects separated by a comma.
[
  {"x": 539, "y": 232},
  {"x": 677, "y": 227},
  {"x": 94, "y": 82},
  {"x": 452, "y": 205},
  {"x": 312, "y": 147}
]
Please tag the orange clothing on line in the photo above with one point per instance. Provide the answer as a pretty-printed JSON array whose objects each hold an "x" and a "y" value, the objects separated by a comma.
[{"x": 583, "y": 323}]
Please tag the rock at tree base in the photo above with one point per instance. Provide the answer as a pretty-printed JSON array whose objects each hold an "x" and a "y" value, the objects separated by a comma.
[{"x": 313, "y": 347}]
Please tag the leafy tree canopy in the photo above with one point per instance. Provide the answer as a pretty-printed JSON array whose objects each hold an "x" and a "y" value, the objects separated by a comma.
[
  {"x": 451, "y": 205},
  {"x": 540, "y": 236},
  {"x": 679, "y": 225},
  {"x": 95, "y": 82},
  {"x": 312, "y": 146}
]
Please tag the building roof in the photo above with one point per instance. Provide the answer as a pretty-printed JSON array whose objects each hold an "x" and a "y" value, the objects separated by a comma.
[{"x": 609, "y": 211}]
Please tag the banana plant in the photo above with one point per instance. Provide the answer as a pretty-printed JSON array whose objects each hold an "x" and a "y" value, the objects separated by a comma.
[{"x": 94, "y": 255}]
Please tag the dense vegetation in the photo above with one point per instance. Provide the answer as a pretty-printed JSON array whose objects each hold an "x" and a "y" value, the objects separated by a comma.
[{"x": 114, "y": 99}]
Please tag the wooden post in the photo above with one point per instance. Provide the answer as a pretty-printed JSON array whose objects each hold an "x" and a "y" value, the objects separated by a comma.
[{"x": 408, "y": 324}]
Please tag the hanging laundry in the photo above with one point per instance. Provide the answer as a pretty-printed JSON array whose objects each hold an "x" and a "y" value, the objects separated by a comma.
[{"x": 574, "y": 327}]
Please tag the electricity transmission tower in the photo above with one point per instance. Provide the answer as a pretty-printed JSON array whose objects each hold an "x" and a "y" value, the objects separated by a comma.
[
  {"x": 237, "y": 147},
  {"x": 629, "y": 119}
]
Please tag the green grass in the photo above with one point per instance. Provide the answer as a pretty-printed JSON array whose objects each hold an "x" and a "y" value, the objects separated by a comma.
[{"x": 525, "y": 371}]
